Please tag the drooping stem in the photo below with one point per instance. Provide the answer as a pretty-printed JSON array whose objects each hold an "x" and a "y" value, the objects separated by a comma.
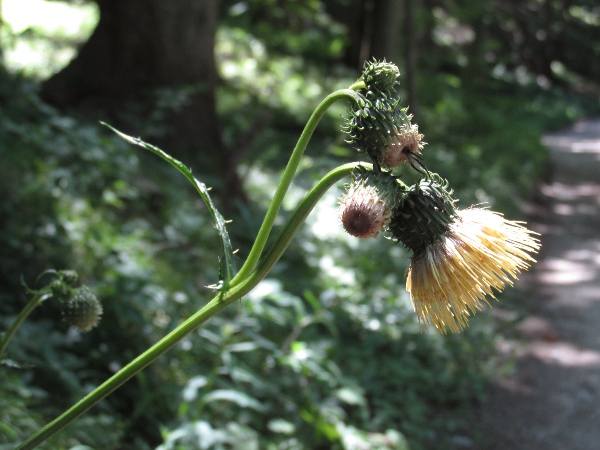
[
  {"x": 301, "y": 213},
  {"x": 219, "y": 302},
  {"x": 288, "y": 174},
  {"x": 38, "y": 298}
]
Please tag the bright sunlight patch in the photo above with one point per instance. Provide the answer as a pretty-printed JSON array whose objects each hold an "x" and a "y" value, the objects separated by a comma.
[{"x": 41, "y": 36}]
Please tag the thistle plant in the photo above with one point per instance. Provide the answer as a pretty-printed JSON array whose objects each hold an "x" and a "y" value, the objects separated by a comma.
[
  {"x": 79, "y": 305},
  {"x": 459, "y": 257}
]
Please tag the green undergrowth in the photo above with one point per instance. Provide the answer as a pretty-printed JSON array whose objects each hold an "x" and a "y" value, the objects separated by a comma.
[{"x": 325, "y": 353}]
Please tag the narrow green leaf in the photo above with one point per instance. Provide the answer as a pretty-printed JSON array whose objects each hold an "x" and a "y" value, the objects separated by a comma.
[{"x": 226, "y": 263}]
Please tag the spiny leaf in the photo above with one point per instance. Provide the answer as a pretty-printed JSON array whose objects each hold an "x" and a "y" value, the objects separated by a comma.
[{"x": 226, "y": 263}]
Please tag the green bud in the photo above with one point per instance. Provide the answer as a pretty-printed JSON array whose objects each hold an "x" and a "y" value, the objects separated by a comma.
[
  {"x": 69, "y": 276},
  {"x": 424, "y": 214},
  {"x": 383, "y": 130},
  {"x": 83, "y": 309},
  {"x": 380, "y": 76},
  {"x": 61, "y": 290},
  {"x": 63, "y": 286}
]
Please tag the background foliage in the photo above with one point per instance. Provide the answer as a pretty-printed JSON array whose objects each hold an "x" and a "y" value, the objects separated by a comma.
[{"x": 326, "y": 353}]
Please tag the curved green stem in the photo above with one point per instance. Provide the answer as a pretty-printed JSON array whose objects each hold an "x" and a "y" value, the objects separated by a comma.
[
  {"x": 219, "y": 302},
  {"x": 31, "y": 305},
  {"x": 118, "y": 379},
  {"x": 288, "y": 174},
  {"x": 358, "y": 84},
  {"x": 300, "y": 214}
]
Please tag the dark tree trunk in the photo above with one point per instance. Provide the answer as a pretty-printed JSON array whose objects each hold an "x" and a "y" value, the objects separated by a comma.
[
  {"x": 374, "y": 29},
  {"x": 387, "y": 30},
  {"x": 141, "y": 45},
  {"x": 353, "y": 14}
]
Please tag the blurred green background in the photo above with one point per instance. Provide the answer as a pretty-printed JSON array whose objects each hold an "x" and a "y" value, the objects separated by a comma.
[{"x": 326, "y": 353}]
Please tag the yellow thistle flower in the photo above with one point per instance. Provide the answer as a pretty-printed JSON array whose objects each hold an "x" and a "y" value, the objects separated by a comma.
[{"x": 479, "y": 254}]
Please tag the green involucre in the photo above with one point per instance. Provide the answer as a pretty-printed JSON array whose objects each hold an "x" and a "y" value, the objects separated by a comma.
[{"x": 424, "y": 213}]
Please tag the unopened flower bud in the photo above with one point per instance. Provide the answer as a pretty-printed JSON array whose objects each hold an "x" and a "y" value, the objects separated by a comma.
[
  {"x": 69, "y": 276},
  {"x": 366, "y": 208},
  {"x": 63, "y": 286},
  {"x": 83, "y": 310},
  {"x": 381, "y": 77},
  {"x": 423, "y": 214},
  {"x": 61, "y": 290},
  {"x": 383, "y": 130}
]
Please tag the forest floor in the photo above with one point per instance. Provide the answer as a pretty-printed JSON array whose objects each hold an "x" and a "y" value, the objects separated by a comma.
[{"x": 551, "y": 401}]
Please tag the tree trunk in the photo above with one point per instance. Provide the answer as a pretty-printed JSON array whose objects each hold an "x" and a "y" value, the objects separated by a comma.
[
  {"x": 354, "y": 16},
  {"x": 374, "y": 29},
  {"x": 141, "y": 45},
  {"x": 387, "y": 30}
]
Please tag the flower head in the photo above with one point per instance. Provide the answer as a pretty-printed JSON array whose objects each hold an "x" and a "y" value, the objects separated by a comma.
[
  {"x": 459, "y": 256},
  {"x": 366, "y": 208},
  {"x": 382, "y": 129},
  {"x": 478, "y": 255},
  {"x": 82, "y": 310}
]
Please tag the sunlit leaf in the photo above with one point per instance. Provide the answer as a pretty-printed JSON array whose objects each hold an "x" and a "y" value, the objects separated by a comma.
[
  {"x": 191, "y": 389},
  {"x": 237, "y": 397},
  {"x": 350, "y": 396},
  {"x": 281, "y": 426}
]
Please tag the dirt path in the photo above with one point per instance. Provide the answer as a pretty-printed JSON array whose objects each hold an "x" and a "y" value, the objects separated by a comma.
[{"x": 553, "y": 400}]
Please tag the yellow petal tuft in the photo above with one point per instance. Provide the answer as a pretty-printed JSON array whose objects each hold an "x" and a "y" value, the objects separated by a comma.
[{"x": 480, "y": 253}]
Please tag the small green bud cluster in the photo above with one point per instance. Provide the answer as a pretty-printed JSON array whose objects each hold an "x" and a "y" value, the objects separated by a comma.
[
  {"x": 80, "y": 306},
  {"x": 379, "y": 125},
  {"x": 82, "y": 310},
  {"x": 377, "y": 200},
  {"x": 63, "y": 285},
  {"x": 459, "y": 257}
]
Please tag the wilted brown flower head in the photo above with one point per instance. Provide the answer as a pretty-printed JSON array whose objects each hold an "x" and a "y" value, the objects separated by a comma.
[{"x": 366, "y": 208}]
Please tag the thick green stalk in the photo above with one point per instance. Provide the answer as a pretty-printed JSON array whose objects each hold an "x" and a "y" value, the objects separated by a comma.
[
  {"x": 288, "y": 174},
  {"x": 31, "y": 305},
  {"x": 219, "y": 302}
]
